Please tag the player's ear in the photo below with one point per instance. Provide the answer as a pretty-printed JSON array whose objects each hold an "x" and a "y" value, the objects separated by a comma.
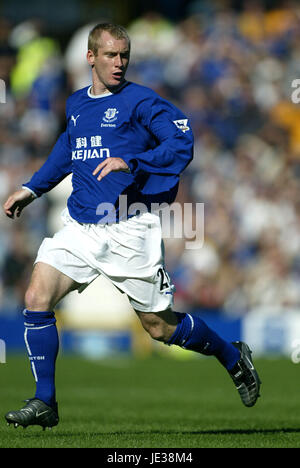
[{"x": 90, "y": 58}]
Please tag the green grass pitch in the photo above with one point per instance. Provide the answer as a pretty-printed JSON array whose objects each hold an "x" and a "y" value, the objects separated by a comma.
[{"x": 158, "y": 402}]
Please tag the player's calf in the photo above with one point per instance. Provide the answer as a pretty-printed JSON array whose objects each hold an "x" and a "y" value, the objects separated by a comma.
[
  {"x": 189, "y": 332},
  {"x": 42, "y": 343}
]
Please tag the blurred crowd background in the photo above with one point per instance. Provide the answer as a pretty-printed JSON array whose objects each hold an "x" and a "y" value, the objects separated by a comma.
[{"x": 229, "y": 66}]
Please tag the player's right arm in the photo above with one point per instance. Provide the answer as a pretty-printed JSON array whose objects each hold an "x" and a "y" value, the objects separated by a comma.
[{"x": 54, "y": 170}]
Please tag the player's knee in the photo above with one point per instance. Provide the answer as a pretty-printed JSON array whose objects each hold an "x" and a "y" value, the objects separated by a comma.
[
  {"x": 158, "y": 328},
  {"x": 36, "y": 300},
  {"x": 157, "y": 332}
]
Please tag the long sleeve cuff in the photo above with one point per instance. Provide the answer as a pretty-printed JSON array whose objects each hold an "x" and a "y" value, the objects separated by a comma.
[{"x": 31, "y": 191}]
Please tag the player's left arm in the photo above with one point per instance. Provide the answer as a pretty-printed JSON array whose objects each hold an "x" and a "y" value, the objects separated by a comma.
[
  {"x": 175, "y": 143},
  {"x": 174, "y": 150}
]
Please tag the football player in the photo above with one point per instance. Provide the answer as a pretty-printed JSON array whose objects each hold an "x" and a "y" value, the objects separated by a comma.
[{"x": 121, "y": 139}]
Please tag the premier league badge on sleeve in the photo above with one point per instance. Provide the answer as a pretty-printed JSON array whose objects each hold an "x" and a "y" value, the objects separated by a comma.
[{"x": 182, "y": 125}]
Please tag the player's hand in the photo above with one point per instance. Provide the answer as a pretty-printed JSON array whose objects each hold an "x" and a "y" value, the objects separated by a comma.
[
  {"x": 110, "y": 165},
  {"x": 17, "y": 202}
]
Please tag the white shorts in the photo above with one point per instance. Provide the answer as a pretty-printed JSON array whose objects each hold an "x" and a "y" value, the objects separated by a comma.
[{"x": 129, "y": 253}]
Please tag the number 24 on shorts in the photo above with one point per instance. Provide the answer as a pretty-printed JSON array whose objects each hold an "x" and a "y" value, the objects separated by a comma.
[{"x": 164, "y": 279}]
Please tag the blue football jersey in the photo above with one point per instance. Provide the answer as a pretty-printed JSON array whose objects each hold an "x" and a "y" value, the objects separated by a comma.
[{"x": 149, "y": 133}]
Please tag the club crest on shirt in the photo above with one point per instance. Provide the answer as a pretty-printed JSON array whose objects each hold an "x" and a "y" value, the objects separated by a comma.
[{"x": 110, "y": 115}]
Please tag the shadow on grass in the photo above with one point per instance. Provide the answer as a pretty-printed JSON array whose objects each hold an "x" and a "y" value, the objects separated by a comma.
[
  {"x": 283, "y": 430},
  {"x": 287, "y": 430}
]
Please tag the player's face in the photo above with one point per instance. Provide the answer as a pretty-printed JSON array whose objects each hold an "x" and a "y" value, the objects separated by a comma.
[{"x": 111, "y": 61}]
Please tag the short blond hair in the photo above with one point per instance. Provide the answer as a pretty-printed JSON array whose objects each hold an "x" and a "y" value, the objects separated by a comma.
[{"x": 117, "y": 31}]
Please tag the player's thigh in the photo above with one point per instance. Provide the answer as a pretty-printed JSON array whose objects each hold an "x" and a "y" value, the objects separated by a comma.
[{"x": 47, "y": 287}]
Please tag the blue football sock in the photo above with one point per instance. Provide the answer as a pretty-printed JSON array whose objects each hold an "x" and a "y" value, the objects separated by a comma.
[
  {"x": 192, "y": 333},
  {"x": 41, "y": 341}
]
